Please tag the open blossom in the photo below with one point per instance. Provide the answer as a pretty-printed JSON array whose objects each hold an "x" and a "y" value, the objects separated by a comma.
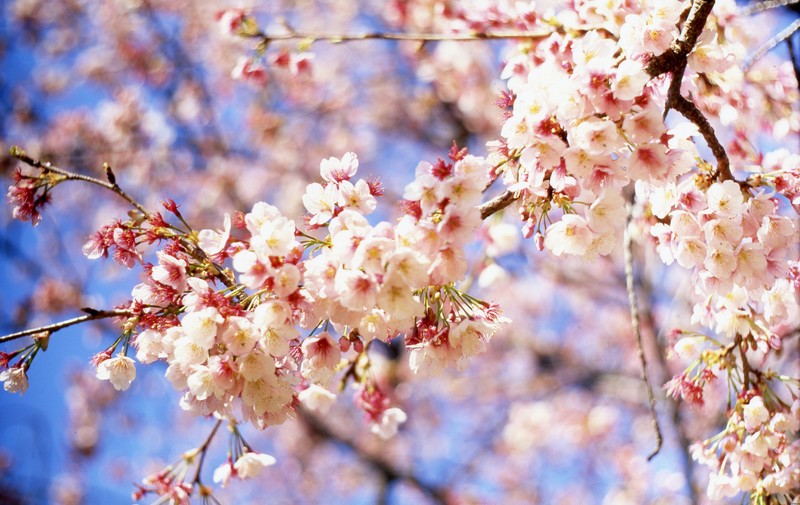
[
  {"x": 571, "y": 235},
  {"x": 725, "y": 199},
  {"x": 213, "y": 242},
  {"x": 170, "y": 271},
  {"x": 120, "y": 371},
  {"x": 14, "y": 380},
  {"x": 223, "y": 473},
  {"x": 251, "y": 463},
  {"x": 321, "y": 355},
  {"x": 230, "y": 20},
  {"x": 338, "y": 170},
  {"x": 316, "y": 398},
  {"x": 755, "y": 414}
]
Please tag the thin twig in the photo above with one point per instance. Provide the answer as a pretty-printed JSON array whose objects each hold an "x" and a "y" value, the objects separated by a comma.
[
  {"x": 742, "y": 346},
  {"x": 50, "y": 328},
  {"x": 204, "y": 449},
  {"x": 772, "y": 44},
  {"x": 496, "y": 204},
  {"x": 418, "y": 37},
  {"x": 637, "y": 331},
  {"x": 766, "y": 5},
  {"x": 388, "y": 472},
  {"x": 673, "y": 407},
  {"x": 690, "y": 111},
  {"x": 49, "y": 167},
  {"x": 114, "y": 187}
]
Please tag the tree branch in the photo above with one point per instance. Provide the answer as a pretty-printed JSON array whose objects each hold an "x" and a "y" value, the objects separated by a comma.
[
  {"x": 112, "y": 185},
  {"x": 674, "y": 61},
  {"x": 388, "y": 472},
  {"x": 22, "y": 156},
  {"x": 50, "y": 328},
  {"x": 766, "y": 5},
  {"x": 671, "y": 59},
  {"x": 772, "y": 44},
  {"x": 673, "y": 407},
  {"x": 496, "y": 204},
  {"x": 336, "y": 38},
  {"x": 690, "y": 111},
  {"x": 634, "y": 308}
]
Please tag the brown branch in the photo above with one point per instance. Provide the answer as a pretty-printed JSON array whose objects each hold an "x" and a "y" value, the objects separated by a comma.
[
  {"x": 671, "y": 59},
  {"x": 22, "y": 156},
  {"x": 496, "y": 204},
  {"x": 674, "y": 61},
  {"x": 94, "y": 315},
  {"x": 690, "y": 111},
  {"x": 634, "y": 308},
  {"x": 203, "y": 449},
  {"x": 674, "y": 92}
]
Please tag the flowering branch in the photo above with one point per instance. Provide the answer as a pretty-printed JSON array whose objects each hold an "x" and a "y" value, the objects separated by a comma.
[
  {"x": 673, "y": 58},
  {"x": 634, "y": 308},
  {"x": 112, "y": 185},
  {"x": 50, "y": 328}
]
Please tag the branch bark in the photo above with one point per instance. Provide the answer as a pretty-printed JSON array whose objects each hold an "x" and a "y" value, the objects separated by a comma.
[{"x": 50, "y": 328}]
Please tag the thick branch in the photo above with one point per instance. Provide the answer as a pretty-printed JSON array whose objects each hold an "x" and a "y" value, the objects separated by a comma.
[
  {"x": 94, "y": 315},
  {"x": 674, "y": 60},
  {"x": 496, "y": 204},
  {"x": 671, "y": 59},
  {"x": 690, "y": 111},
  {"x": 634, "y": 307}
]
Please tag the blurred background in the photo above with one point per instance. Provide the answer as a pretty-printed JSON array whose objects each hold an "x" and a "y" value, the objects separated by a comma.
[{"x": 553, "y": 413}]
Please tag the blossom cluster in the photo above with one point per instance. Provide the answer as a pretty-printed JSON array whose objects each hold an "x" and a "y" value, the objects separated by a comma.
[
  {"x": 756, "y": 452},
  {"x": 256, "y": 340},
  {"x": 585, "y": 130},
  {"x": 257, "y": 318}
]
